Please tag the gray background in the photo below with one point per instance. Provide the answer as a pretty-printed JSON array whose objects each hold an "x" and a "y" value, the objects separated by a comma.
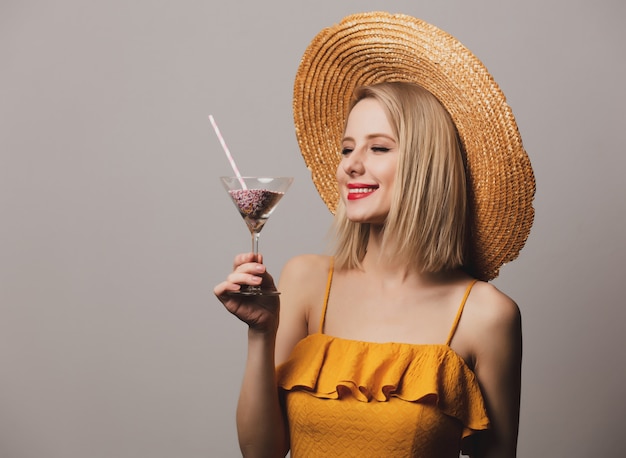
[{"x": 114, "y": 227}]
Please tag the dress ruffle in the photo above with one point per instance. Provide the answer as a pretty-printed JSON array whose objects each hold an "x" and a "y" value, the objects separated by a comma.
[{"x": 332, "y": 368}]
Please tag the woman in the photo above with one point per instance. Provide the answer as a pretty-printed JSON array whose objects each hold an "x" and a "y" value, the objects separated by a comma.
[{"x": 390, "y": 347}]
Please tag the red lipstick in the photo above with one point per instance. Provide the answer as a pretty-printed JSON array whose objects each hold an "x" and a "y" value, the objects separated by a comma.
[{"x": 360, "y": 190}]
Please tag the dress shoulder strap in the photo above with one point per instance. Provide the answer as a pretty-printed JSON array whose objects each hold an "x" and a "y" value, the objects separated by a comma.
[
  {"x": 460, "y": 312},
  {"x": 325, "y": 305}
]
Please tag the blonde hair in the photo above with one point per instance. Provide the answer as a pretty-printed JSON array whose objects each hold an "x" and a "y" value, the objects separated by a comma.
[{"x": 426, "y": 225}]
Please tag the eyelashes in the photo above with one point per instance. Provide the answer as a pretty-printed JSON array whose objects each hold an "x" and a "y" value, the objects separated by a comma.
[{"x": 375, "y": 149}]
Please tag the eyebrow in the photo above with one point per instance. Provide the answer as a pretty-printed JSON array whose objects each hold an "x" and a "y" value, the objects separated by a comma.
[{"x": 371, "y": 136}]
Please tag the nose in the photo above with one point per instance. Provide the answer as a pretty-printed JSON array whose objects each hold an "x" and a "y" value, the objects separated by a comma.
[{"x": 352, "y": 163}]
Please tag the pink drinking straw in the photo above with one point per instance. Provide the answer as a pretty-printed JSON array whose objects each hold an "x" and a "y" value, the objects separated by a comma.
[{"x": 228, "y": 155}]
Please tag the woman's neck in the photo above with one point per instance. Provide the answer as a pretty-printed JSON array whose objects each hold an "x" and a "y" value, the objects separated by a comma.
[
  {"x": 384, "y": 264},
  {"x": 389, "y": 268}
]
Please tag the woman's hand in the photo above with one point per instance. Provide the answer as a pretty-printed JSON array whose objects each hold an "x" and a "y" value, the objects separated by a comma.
[{"x": 260, "y": 313}]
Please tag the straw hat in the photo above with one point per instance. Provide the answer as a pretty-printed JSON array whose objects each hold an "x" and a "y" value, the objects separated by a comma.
[{"x": 370, "y": 48}]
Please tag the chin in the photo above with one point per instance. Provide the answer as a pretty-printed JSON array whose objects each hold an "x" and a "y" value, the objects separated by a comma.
[{"x": 366, "y": 219}]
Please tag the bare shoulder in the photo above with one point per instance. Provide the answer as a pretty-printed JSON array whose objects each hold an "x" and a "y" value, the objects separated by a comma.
[
  {"x": 306, "y": 267},
  {"x": 304, "y": 277},
  {"x": 491, "y": 322},
  {"x": 490, "y": 308}
]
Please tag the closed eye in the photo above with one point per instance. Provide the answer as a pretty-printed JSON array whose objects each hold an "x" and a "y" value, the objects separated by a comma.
[{"x": 380, "y": 149}]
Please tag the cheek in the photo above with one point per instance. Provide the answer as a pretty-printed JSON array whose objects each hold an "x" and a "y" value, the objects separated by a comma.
[{"x": 390, "y": 172}]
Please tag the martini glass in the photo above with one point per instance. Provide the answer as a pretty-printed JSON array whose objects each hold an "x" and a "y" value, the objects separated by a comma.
[{"x": 256, "y": 198}]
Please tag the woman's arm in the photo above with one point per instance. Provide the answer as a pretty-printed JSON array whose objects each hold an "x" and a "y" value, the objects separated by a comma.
[
  {"x": 261, "y": 425},
  {"x": 498, "y": 360},
  {"x": 261, "y": 421}
]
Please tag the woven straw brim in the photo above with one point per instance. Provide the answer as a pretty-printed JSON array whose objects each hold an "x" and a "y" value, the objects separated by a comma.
[{"x": 369, "y": 48}]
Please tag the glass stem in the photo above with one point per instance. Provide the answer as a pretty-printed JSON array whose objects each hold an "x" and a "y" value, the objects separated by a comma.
[{"x": 255, "y": 245}]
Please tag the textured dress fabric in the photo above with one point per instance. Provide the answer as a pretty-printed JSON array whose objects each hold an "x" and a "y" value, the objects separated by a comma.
[{"x": 348, "y": 398}]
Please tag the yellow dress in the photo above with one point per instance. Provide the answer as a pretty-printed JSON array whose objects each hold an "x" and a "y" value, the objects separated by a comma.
[{"x": 348, "y": 398}]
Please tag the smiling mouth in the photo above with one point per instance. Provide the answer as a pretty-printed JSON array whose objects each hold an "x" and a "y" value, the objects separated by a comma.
[{"x": 360, "y": 192}]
